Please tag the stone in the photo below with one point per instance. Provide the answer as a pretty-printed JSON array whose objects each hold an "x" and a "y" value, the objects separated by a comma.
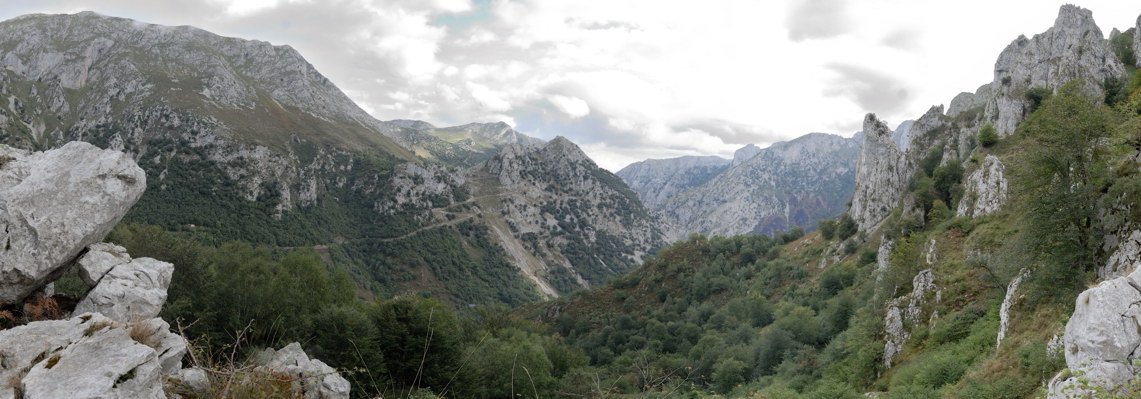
[
  {"x": 658, "y": 180},
  {"x": 130, "y": 291},
  {"x": 986, "y": 189},
  {"x": 55, "y": 203},
  {"x": 1102, "y": 338},
  {"x": 96, "y": 357},
  {"x": 100, "y": 259},
  {"x": 191, "y": 380},
  {"x": 315, "y": 379}
]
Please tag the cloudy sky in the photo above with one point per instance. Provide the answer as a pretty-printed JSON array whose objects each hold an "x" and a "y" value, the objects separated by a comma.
[{"x": 630, "y": 80}]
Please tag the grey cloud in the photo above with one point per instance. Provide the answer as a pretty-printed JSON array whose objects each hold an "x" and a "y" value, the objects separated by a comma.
[
  {"x": 872, "y": 90},
  {"x": 817, "y": 19},
  {"x": 903, "y": 39},
  {"x": 730, "y": 132}
]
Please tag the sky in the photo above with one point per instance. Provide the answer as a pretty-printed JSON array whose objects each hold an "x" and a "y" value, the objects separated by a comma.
[{"x": 632, "y": 80}]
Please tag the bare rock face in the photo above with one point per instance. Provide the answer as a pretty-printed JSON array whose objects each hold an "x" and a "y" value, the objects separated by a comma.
[
  {"x": 904, "y": 312},
  {"x": 313, "y": 378},
  {"x": 1137, "y": 41},
  {"x": 881, "y": 175},
  {"x": 130, "y": 289},
  {"x": 1007, "y": 302},
  {"x": 89, "y": 356},
  {"x": 986, "y": 189},
  {"x": 55, "y": 203},
  {"x": 1103, "y": 338},
  {"x": 1074, "y": 48}
]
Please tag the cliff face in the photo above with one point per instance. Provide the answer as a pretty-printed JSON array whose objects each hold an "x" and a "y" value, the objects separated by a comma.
[
  {"x": 881, "y": 175},
  {"x": 788, "y": 184}
]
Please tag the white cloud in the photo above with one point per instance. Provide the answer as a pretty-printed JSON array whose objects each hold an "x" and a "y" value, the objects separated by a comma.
[{"x": 573, "y": 107}]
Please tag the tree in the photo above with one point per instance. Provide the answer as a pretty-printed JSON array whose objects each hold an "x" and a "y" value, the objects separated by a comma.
[{"x": 1062, "y": 173}]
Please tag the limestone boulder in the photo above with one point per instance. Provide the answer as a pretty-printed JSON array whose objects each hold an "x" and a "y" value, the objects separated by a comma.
[
  {"x": 134, "y": 290},
  {"x": 314, "y": 378},
  {"x": 55, "y": 203}
]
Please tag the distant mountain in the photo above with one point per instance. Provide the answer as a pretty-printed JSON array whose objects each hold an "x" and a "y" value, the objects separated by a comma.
[
  {"x": 788, "y": 184},
  {"x": 656, "y": 180}
]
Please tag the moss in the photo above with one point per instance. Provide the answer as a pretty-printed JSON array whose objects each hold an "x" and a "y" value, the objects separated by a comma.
[{"x": 52, "y": 361}]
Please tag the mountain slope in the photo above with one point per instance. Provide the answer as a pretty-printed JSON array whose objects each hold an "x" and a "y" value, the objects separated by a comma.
[{"x": 788, "y": 184}]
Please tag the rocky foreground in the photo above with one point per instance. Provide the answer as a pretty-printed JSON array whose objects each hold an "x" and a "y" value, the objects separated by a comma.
[{"x": 55, "y": 208}]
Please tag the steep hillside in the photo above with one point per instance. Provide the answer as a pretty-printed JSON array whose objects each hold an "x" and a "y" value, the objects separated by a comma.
[
  {"x": 465, "y": 145},
  {"x": 786, "y": 185},
  {"x": 572, "y": 223}
]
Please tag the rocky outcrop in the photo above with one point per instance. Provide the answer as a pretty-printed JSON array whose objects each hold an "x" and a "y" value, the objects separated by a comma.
[
  {"x": 787, "y": 184},
  {"x": 881, "y": 175},
  {"x": 904, "y": 312},
  {"x": 902, "y": 135},
  {"x": 123, "y": 289},
  {"x": 1074, "y": 48},
  {"x": 1102, "y": 339},
  {"x": 311, "y": 378},
  {"x": 1125, "y": 254},
  {"x": 1137, "y": 41},
  {"x": 96, "y": 356},
  {"x": 985, "y": 190},
  {"x": 1007, "y": 302},
  {"x": 55, "y": 203}
]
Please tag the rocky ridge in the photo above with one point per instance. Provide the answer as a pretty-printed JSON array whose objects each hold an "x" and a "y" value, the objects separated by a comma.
[{"x": 1073, "y": 48}]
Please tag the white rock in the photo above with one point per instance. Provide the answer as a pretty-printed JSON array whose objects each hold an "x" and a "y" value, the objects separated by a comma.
[
  {"x": 986, "y": 189},
  {"x": 905, "y": 311},
  {"x": 55, "y": 203},
  {"x": 1007, "y": 302},
  {"x": 315, "y": 378},
  {"x": 130, "y": 291},
  {"x": 1102, "y": 337},
  {"x": 194, "y": 380},
  {"x": 88, "y": 356},
  {"x": 100, "y": 258}
]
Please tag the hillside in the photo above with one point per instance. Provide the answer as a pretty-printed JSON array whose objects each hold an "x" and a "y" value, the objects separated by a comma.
[
  {"x": 975, "y": 262},
  {"x": 244, "y": 140}
]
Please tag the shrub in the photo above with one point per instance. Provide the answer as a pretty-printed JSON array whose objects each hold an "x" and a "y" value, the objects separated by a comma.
[{"x": 987, "y": 136}]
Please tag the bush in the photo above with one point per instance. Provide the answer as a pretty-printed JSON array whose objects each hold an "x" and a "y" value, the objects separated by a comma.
[
  {"x": 846, "y": 228},
  {"x": 987, "y": 136},
  {"x": 827, "y": 228}
]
